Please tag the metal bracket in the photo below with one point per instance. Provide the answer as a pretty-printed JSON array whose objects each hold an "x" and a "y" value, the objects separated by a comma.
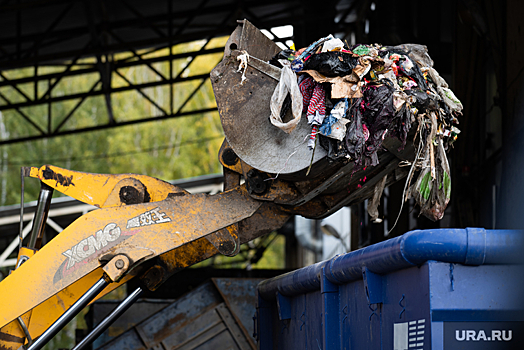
[
  {"x": 372, "y": 286},
  {"x": 117, "y": 267},
  {"x": 264, "y": 67},
  {"x": 330, "y": 313},
  {"x": 122, "y": 260},
  {"x": 326, "y": 286},
  {"x": 284, "y": 307}
]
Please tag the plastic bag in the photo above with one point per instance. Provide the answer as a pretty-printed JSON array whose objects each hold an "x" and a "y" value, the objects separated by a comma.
[
  {"x": 422, "y": 99},
  {"x": 336, "y": 149},
  {"x": 331, "y": 64},
  {"x": 287, "y": 85},
  {"x": 443, "y": 182},
  {"x": 334, "y": 44},
  {"x": 287, "y": 55},
  {"x": 408, "y": 68},
  {"x": 401, "y": 124},
  {"x": 421, "y": 190},
  {"x": 298, "y": 63},
  {"x": 450, "y": 99},
  {"x": 361, "y": 50},
  {"x": 355, "y": 138},
  {"x": 417, "y": 52},
  {"x": 334, "y": 125},
  {"x": 378, "y": 115}
]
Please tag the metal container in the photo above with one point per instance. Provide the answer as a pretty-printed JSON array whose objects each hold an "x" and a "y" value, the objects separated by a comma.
[
  {"x": 216, "y": 315},
  {"x": 430, "y": 289}
]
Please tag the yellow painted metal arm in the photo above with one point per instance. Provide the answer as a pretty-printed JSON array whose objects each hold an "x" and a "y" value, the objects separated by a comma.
[
  {"x": 98, "y": 189},
  {"x": 152, "y": 228}
]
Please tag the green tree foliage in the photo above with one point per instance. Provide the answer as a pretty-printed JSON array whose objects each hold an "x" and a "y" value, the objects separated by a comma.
[{"x": 168, "y": 149}]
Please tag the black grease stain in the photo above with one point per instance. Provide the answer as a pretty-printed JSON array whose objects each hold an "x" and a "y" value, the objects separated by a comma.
[
  {"x": 65, "y": 181},
  {"x": 10, "y": 338}
]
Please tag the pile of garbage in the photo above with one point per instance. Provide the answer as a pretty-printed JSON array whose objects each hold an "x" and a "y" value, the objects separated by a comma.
[{"x": 356, "y": 96}]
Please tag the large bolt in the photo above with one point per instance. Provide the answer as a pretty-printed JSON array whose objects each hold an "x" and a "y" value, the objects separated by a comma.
[
  {"x": 130, "y": 195},
  {"x": 229, "y": 157},
  {"x": 256, "y": 182},
  {"x": 119, "y": 264}
]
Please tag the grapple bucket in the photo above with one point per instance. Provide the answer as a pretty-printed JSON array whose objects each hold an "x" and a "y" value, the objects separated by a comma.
[{"x": 244, "y": 108}]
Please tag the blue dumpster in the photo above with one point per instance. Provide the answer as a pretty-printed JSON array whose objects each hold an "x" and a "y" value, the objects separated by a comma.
[{"x": 427, "y": 289}]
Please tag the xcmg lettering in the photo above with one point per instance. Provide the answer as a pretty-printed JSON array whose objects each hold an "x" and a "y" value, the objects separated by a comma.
[{"x": 87, "y": 247}]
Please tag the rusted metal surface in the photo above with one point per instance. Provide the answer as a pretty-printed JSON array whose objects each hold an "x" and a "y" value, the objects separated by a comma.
[
  {"x": 193, "y": 252},
  {"x": 257, "y": 43},
  {"x": 231, "y": 179},
  {"x": 137, "y": 313},
  {"x": 351, "y": 188},
  {"x": 216, "y": 315},
  {"x": 244, "y": 112},
  {"x": 240, "y": 296},
  {"x": 264, "y": 151},
  {"x": 264, "y": 67},
  {"x": 159, "y": 326},
  {"x": 258, "y": 64},
  {"x": 266, "y": 219}
]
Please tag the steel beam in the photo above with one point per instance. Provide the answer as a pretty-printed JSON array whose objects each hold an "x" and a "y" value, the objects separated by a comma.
[{"x": 101, "y": 37}]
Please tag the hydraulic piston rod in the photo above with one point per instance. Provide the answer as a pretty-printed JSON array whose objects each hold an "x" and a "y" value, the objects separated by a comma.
[
  {"x": 106, "y": 322},
  {"x": 42, "y": 210},
  {"x": 69, "y": 314}
]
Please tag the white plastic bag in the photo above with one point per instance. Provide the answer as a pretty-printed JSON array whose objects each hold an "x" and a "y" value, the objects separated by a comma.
[
  {"x": 334, "y": 44},
  {"x": 288, "y": 84}
]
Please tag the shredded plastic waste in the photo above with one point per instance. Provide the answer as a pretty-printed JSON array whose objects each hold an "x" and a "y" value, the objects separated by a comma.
[
  {"x": 334, "y": 125},
  {"x": 242, "y": 67},
  {"x": 375, "y": 200},
  {"x": 331, "y": 64},
  {"x": 357, "y": 96}
]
